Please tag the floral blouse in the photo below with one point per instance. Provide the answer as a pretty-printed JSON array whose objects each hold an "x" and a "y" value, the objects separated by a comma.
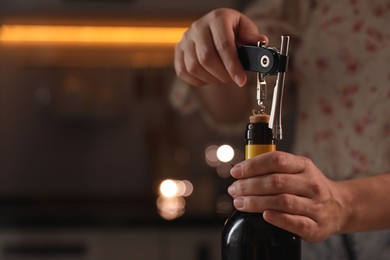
[
  {"x": 341, "y": 65},
  {"x": 342, "y": 72}
]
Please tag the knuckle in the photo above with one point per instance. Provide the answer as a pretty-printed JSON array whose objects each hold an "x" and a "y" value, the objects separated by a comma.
[
  {"x": 307, "y": 160},
  {"x": 306, "y": 230},
  {"x": 310, "y": 232},
  {"x": 186, "y": 38},
  {"x": 286, "y": 201},
  {"x": 246, "y": 187},
  {"x": 193, "y": 67},
  {"x": 194, "y": 27},
  {"x": 240, "y": 188},
  {"x": 222, "y": 43},
  {"x": 204, "y": 56},
  {"x": 277, "y": 181},
  {"x": 250, "y": 204},
  {"x": 218, "y": 13},
  {"x": 316, "y": 188},
  {"x": 279, "y": 159}
]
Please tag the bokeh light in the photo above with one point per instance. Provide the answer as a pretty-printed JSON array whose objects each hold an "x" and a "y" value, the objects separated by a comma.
[
  {"x": 211, "y": 156},
  {"x": 171, "y": 203},
  {"x": 168, "y": 188},
  {"x": 184, "y": 188},
  {"x": 225, "y": 153},
  {"x": 171, "y": 208}
]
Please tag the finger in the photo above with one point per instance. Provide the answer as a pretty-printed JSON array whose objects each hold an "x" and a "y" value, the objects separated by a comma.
[
  {"x": 225, "y": 45},
  {"x": 196, "y": 69},
  {"x": 305, "y": 227},
  {"x": 271, "y": 162},
  {"x": 182, "y": 72},
  {"x": 227, "y": 34},
  {"x": 286, "y": 203},
  {"x": 272, "y": 184},
  {"x": 209, "y": 58}
]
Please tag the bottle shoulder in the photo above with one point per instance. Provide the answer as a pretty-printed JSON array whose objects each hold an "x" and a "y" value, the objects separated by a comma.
[{"x": 245, "y": 219}]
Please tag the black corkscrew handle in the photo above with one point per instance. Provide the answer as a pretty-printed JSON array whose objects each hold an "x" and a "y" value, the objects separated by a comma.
[{"x": 264, "y": 60}]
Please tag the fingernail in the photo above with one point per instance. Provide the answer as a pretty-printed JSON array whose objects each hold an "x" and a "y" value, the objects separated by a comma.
[
  {"x": 236, "y": 171},
  {"x": 269, "y": 215},
  {"x": 240, "y": 80},
  {"x": 239, "y": 203},
  {"x": 232, "y": 190}
]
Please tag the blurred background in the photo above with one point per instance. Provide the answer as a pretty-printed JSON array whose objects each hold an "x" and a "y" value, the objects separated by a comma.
[{"x": 94, "y": 162}]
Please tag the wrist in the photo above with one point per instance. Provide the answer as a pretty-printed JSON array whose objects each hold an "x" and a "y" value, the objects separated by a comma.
[{"x": 345, "y": 199}]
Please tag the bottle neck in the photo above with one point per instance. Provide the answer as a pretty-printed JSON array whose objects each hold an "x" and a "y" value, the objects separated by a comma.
[{"x": 259, "y": 139}]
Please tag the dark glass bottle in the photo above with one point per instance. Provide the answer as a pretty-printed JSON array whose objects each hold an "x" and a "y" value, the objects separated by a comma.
[{"x": 247, "y": 236}]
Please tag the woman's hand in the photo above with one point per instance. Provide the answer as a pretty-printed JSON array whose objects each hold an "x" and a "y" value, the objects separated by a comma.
[
  {"x": 292, "y": 192},
  {"x": 207, "y": 52}
]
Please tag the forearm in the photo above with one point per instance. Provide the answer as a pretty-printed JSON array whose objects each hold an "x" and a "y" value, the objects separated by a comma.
[{"x": 367, "y": 203}]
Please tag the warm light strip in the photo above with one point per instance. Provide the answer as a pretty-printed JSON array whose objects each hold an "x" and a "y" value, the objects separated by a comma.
[{"x": 90, "y": 34}]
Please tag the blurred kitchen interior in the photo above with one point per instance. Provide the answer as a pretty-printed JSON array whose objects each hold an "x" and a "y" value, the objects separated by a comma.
[{"x": 87, "y": 135}]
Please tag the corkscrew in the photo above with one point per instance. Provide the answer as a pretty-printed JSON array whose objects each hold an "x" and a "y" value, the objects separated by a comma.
[{"x": 268, "y": 61}]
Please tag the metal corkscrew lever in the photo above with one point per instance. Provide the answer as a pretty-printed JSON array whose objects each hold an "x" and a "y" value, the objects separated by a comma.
[{"x": 268, "y": 61}]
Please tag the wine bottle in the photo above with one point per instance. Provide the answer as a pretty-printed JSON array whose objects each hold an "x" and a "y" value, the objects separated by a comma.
[{"x": 247, "y": 236}]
